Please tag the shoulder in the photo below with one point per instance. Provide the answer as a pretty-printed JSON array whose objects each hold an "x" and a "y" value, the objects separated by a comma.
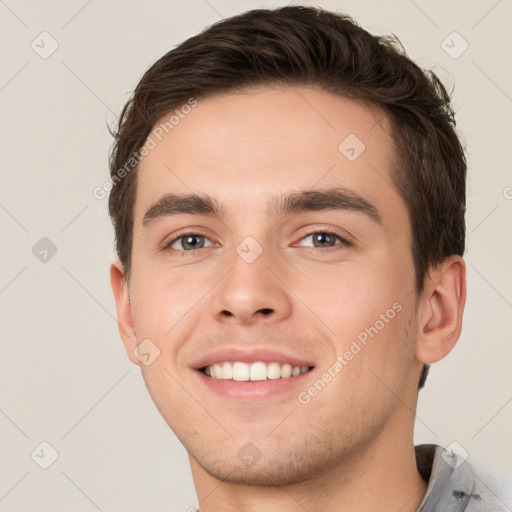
[
  {"x": 456, "y": 484},
  {"x": 494, "y": 490}
]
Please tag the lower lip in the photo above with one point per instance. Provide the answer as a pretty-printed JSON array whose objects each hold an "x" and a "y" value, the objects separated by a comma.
[{"x": 252, "y": 390}]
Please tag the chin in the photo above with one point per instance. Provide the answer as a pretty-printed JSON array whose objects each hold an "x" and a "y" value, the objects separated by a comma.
[{"x": 272, "y": 467}]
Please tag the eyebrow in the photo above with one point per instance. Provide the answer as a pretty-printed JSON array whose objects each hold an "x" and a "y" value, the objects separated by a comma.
[{"x": 338, "y": 198}]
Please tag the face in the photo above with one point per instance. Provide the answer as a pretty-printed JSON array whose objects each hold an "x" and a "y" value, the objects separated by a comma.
[{"x": 292, "y": 255}]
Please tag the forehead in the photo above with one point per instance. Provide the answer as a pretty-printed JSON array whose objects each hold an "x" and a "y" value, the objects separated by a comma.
[{"x": 244, "y": 147}]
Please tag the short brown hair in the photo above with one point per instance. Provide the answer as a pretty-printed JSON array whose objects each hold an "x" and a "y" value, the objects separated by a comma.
[{"x": 298, "y": 45}]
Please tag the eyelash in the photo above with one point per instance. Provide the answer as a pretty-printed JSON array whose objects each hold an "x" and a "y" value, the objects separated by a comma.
[{"x": 344, "y": 241}]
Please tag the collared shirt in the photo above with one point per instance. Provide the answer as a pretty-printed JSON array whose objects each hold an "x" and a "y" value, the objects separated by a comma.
[{"x": 453, "y": 484}]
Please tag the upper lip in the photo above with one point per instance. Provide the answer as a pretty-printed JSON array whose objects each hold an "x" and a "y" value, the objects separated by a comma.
[{"x": 251, "y": 355}]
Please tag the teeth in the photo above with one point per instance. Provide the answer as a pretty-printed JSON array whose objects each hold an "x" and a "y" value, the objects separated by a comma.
[
  {"x": 257, "y": 371},
  {"x": 240, "y": 371},
  {"x": 286, "y": 371},
  {"x": 227, "y": 371},
  {"x": 273, "y": 371}
]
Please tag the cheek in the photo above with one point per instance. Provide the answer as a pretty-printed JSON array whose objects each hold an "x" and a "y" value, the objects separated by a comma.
[
  {"x": 384, "y": 350},
  {"x": 367, "y": 374},
  {"x": 350, "y": 298},
  {"x": 161, "y": 304},
  {"x": 152, "y": 314},
  {"x": 369, "y": 317}
]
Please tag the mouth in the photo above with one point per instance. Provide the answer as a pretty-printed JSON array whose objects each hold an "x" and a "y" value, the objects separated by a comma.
[
  {"x": 252, "y": 374},
  {"x": 241, "y": 371}
]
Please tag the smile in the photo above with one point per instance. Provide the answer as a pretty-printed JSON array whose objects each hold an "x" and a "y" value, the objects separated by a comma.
[{"x": 257, "y": 371}]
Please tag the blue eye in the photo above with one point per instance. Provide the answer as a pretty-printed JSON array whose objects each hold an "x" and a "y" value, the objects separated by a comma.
[
  {"x": 326, "y": 239},
  {"x": 321, "y": 239}
]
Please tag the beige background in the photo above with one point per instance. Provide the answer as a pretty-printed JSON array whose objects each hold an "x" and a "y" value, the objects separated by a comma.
[{"x": 64, "y": 376}]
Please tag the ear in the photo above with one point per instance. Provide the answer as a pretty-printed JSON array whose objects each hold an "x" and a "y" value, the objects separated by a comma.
[
  {"x": 440, "y": 310},
  {"x": 124, "y": 316}
]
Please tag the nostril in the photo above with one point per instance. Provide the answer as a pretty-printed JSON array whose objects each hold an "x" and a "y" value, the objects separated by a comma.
[{"x": 266, "y": 311}]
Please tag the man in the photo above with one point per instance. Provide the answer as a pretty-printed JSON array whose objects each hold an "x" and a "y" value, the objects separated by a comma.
[{"x": 288, "y": 201}]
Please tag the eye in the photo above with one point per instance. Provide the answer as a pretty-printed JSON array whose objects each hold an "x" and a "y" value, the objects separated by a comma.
[
  {"x": 323, "y": 239},
  {"x": 188, "y": 242},
  {"x": 326, "y": 239}
]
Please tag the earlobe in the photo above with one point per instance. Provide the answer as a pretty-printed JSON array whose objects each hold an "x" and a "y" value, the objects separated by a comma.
[
  {"x": 440, "y": 311},
  {"x": 124, "y": 316}
]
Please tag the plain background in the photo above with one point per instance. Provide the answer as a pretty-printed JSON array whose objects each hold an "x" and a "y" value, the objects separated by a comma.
[{"x": 64, "y": 376}]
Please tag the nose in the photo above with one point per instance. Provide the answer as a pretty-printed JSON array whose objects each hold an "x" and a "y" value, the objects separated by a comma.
[{"x": 251, "y": 293}]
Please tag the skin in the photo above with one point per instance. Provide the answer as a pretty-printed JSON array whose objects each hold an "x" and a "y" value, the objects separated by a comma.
[{"x": 351, "y": 446}]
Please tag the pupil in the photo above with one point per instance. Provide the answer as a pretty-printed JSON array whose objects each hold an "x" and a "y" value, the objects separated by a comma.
[
  {"x": 323, "y": 238},
  {"x": 189, "y": 241}
]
